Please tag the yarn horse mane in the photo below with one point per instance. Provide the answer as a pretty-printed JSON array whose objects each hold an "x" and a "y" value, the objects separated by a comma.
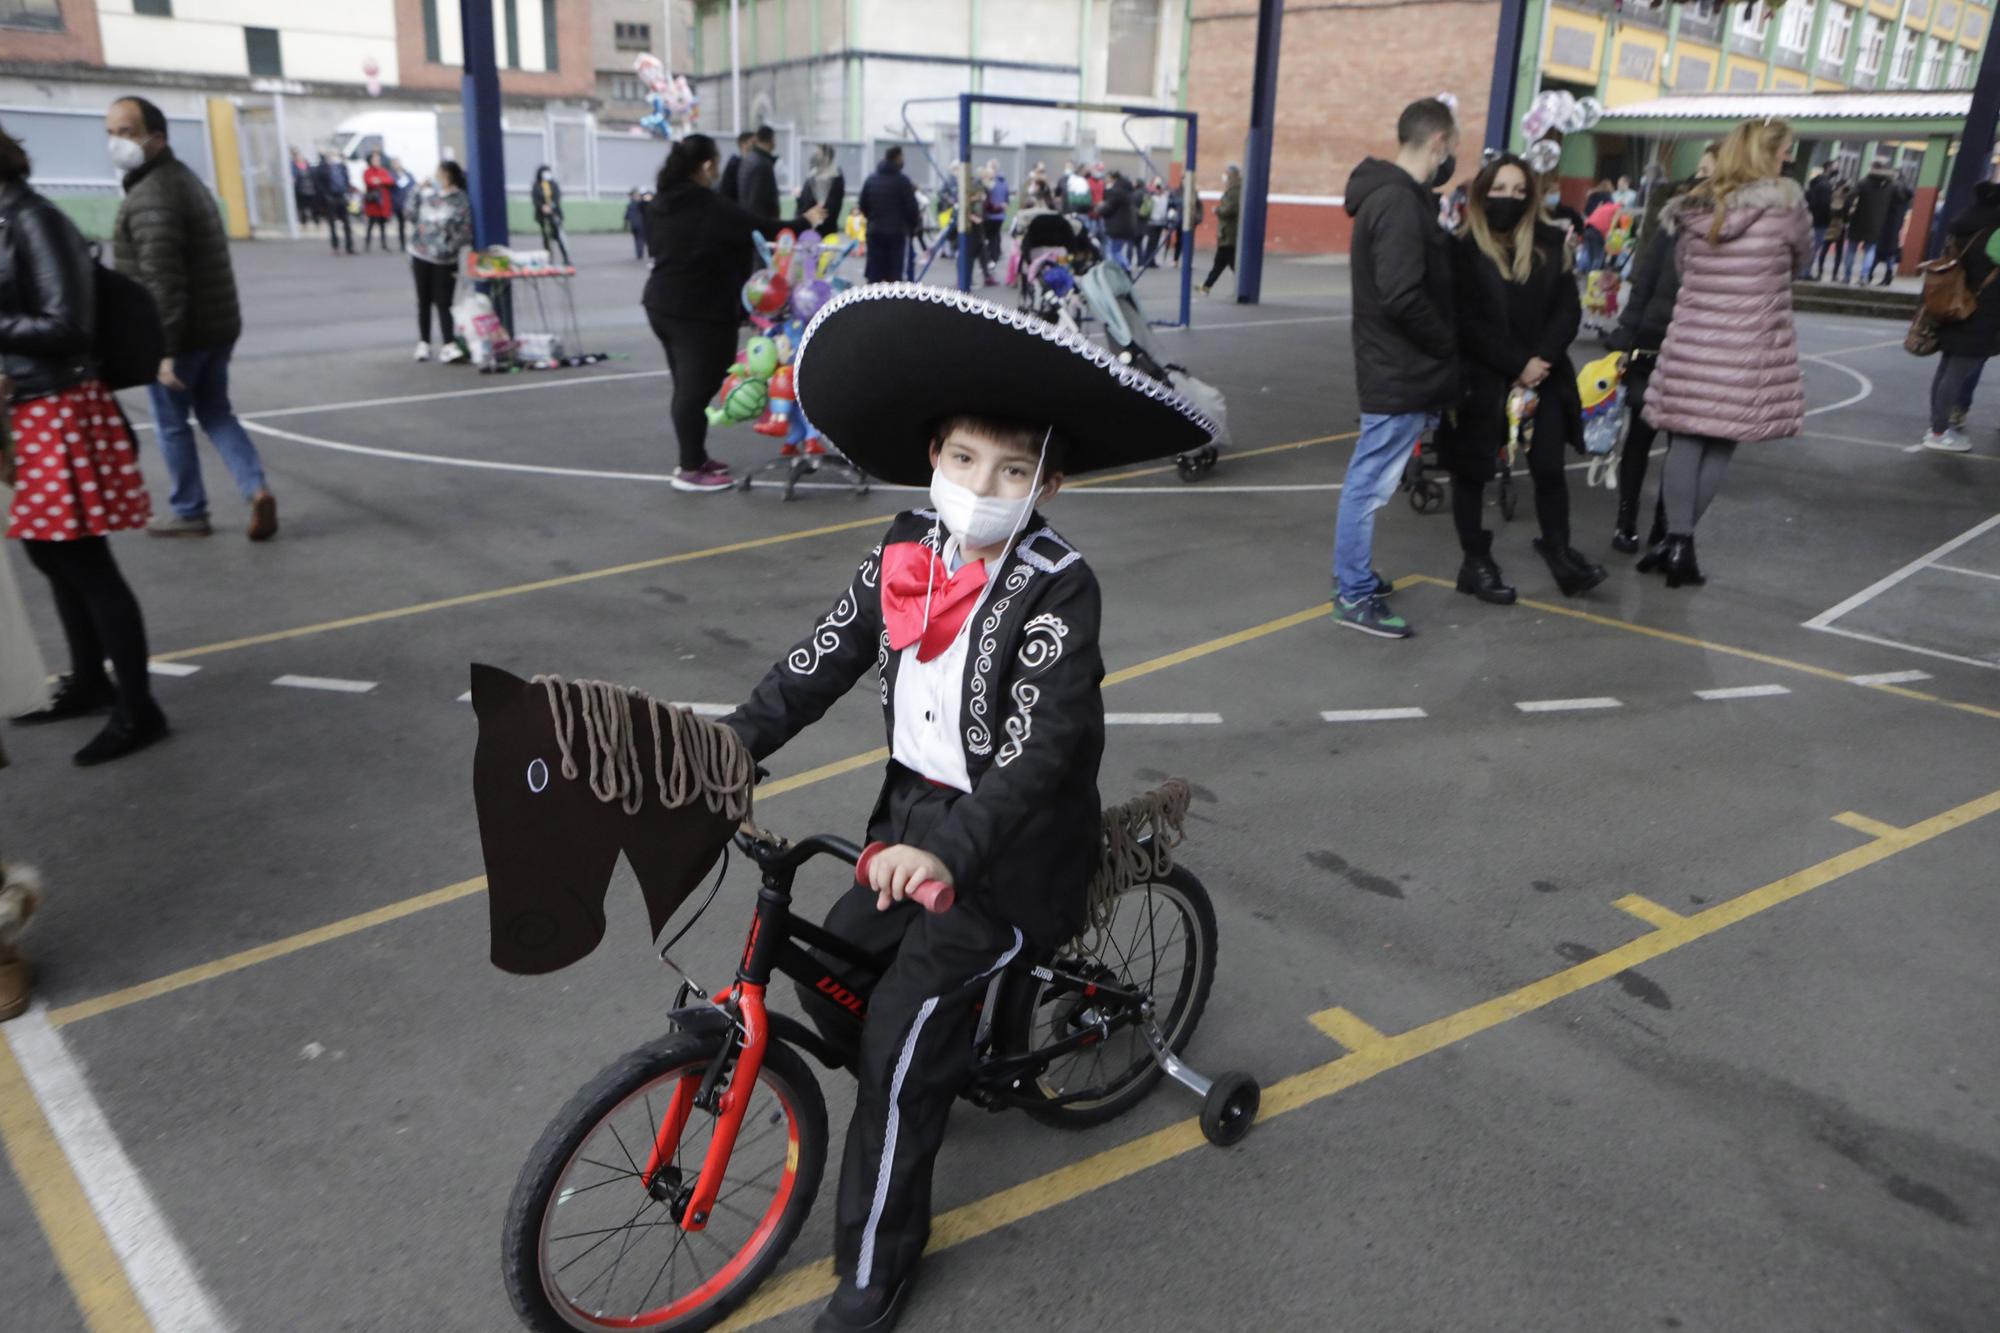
[{"x": 569, "y": 774}]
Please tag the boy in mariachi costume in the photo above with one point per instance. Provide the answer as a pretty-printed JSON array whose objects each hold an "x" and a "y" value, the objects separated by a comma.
[{"x": 981, "y": 622}]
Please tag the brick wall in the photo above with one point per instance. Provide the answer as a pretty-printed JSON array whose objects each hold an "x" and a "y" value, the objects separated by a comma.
[
  {"x": 576, "y": 77},
  {"x": 1344, "y": 72},
  {"x": 79, "y": 42}
]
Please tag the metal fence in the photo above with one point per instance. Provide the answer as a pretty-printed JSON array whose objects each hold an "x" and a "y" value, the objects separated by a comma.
[{"x": 67, "y": 147}]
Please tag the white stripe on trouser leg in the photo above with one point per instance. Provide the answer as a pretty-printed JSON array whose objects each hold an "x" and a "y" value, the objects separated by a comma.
[{"x": 864, "y": 1265}]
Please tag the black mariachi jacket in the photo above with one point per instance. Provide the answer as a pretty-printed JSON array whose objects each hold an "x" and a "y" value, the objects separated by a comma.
[{"x": 1024, "y": 843}]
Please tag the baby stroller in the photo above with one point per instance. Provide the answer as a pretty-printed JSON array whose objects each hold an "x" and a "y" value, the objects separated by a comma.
[
  {"x": 1050, "y": 254},
  {"x": 1108, "y": 291},
  {"x": 1424, "y": 467}
]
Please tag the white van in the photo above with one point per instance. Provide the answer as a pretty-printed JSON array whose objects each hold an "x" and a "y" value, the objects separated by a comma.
[{"x": 412, "y": 136}]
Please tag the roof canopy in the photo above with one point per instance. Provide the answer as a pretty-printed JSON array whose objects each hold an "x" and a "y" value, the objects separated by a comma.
[{"x": 1814, "y": 114}]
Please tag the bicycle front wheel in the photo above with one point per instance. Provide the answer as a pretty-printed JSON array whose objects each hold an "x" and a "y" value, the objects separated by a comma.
[{"x": 589, "y": 1244}]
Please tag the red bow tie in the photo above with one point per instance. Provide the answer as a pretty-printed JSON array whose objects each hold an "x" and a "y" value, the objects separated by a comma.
[{"x": 912, "y": 572}]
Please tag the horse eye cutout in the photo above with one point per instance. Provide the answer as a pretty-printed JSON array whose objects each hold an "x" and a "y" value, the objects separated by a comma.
[{"x": 538, "y": 776}]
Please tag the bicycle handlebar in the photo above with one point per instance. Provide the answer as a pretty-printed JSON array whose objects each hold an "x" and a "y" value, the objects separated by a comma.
[{"x": 934, "y": 894}]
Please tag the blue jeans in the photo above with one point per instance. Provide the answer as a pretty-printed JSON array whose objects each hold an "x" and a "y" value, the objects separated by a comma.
[
  {"x": 205, "y": 373},
  {"x": 1372, "y": 474},
  {"x": 1819, "y": 244},
  {"x": 1952, "y": 385},
  {"x": 1857, "y": 249}
]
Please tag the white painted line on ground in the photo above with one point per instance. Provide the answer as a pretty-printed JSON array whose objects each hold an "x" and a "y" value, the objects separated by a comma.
[
  {"x": 1742, "y": 692},
  {"x": 435, "y": 397},
  {"x": 171, "y": 668},
  {"x": 1864, "y": 347},
  {"x": 162, "y": 1276},
  {"x": 1566, "y": 705},
  {"x": 1371, "y": 714},
  {"x": 1825, "y": 619},
  {"x": 1162, "y": 719},
  {"x": 489, "y": 465},
  {"x": 1867, "y": 386},
  {"x": 1906, "y": 647},
  {"x": 1890, "y": 678},
  {"x": 1969, "y": 573},
  {"x": 1259, "y": 324},
  {"x": 465, "y": 698},
  {"x": 707, "y": 710},
  {"x": 325, "y": 683}
]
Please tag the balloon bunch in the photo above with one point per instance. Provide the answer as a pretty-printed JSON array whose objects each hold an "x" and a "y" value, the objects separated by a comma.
[
  {"x": 1522, "y": 404},
  {"x": 800, "y": 274},
  {"x": 674, "y": 105},
  {"x": 1554, "y": 113}
]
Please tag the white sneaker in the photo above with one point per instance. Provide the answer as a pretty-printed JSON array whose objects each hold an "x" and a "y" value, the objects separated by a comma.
[
  {"x": 1951, "y": 442},
  {"x": 423, "y": 352},
  {"x": 451, "y": 352}
]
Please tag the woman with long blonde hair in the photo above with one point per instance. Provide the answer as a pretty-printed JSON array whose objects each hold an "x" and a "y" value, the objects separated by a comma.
[
  {"x": 1517, "y": 311},
  {"x": 1729, "y": 369}
]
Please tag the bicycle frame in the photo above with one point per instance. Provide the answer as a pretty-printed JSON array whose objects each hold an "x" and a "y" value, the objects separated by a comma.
[{"x": 774, "y": 945}]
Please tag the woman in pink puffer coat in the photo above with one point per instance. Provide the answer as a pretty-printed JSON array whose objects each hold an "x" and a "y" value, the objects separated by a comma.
[{"x": 1729, "y": 370}]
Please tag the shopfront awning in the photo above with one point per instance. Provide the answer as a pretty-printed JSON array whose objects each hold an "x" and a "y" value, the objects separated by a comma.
[{"x": 1811, "y": 115}]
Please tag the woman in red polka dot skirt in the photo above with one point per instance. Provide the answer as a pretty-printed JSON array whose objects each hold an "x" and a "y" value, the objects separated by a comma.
[{"x": 76, "y": 472}]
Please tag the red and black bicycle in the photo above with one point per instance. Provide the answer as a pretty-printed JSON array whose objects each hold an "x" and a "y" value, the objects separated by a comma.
[{"x": 673, "y": 1183}]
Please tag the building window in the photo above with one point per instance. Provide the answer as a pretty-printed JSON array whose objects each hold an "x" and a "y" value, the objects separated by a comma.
[
  {"x": 1918, "y": 11},
  {"x": 1947, "y": 18},
  {"x": 1933, "y": 74},
  {"x": 1742, "y": 79},
  {"x": 1574, "y": 47},
  {"x": 261, "y": 44},
  {"x": 1795, "y": 33},
  {"x": 1130, "y": 64},
  {"x": 1691, "y": 74},
  {"x": 1906, "y": 58},
  {"x": 1839, "y": 29},
  {"x": 1961, "y": 68},
  {"x": 632, "y": 36},
  {"x": 44, "y": 15},
  {"x": 1874, "y": 36},
  {"x": 159, "y": 9},
  {"x": 1975, "y": 25},
  {"x": 1753, "y": 22},
  {"x": 549, "y": 60},
  {"x": 1637, "y": 61},
  {"x": 433, "y": 50}
]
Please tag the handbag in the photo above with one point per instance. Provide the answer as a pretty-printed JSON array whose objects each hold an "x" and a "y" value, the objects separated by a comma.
[
  {"x": 1948, "y": 296},
  {"x": 1922, "y": 338},
  {"x": 130, "y": 343}
]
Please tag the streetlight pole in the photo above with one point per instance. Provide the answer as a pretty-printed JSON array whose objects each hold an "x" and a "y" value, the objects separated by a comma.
[{"x": 736, "y": 66}]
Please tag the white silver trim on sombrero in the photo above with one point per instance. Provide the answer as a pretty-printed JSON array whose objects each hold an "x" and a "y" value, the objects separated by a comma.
[{"x": 973, "y": 305}]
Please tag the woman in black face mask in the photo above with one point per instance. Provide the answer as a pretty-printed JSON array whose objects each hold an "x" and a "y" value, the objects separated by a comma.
[{"x": 1517, "y": 312}]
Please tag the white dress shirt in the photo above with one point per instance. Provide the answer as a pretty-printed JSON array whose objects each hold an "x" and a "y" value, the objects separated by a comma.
[{"x": 927, "y": 740}]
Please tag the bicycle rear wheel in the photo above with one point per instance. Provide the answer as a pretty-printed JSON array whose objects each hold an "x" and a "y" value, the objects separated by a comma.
[
  {"x": 1161, "y": 940},
  {"x": 587, "y": 1245}
]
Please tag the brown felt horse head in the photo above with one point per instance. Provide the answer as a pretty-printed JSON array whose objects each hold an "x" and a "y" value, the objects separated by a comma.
[{"x": 566, "y": 776}]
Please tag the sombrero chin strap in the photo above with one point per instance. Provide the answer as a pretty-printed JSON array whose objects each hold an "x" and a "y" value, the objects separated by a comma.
[{"x": 709, "y": 760}]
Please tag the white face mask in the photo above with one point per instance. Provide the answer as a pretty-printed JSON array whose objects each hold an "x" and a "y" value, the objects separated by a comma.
[
  {"x": 978, "y": 520},
  {"x": 126, "y": 155}
]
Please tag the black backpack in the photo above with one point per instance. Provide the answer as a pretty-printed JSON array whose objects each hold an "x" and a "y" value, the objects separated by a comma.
[{"x": 130, "y": 343}]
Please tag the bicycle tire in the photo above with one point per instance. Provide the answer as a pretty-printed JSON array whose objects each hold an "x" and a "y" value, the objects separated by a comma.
[
  {"x": 784, "y": 1073},
  {"x": 1138, "y": 1079}
]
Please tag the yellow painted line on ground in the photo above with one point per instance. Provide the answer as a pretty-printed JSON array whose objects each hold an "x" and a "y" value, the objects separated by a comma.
[
  {"x": 334, "y": 930},
  {"x": 1874, "y": 828},
  {"x": 1688, "y": 640},
  {"x": 1648, "y": 911},
  {"x": 813, "y": 1282},
  {"x": 81, "y": 1248},
  {"x": 264, "y": 953},
  {"x": 640, "y": 566},
  {"x": 1344, "y": 1027}
]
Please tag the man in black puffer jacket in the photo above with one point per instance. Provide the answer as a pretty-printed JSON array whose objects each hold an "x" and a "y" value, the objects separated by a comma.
[
  {"x": 1405, "y": 342},
  {"x": 169, "y": 236}
]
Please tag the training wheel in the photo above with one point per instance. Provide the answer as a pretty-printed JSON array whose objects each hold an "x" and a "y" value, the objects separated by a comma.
[
  {"x": 1230, "y": 1108},
  {"x": 1187, "y": 467}
]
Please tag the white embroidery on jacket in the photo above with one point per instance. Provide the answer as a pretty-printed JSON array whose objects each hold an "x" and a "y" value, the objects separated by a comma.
[
  {"x": 978, "y": 738},
  {"x": 1041, "y": 648}
]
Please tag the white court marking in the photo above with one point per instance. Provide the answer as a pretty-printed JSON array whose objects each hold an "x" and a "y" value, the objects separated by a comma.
[
  {"x": 161, "y": 1274},
  {"x": 1969, "y": 573},
  {"x": 1162, "y": 719},
  {"x": 1259, "y": 324},
  {"x": 171, "y": 668},
  {"x": 1567, "y": 705},
  {"x": 1741, "y": 692},
  {"x": 1890, "y": 678},
  {"x": 1824, "y": 620},
  {"x": 1867, "y": 385},
  {"x": 439, "y": 397},
  {"x": 325, "y": 683},
  {"x": 1371, "y": 714},
  {"x": 708, "y": 710}
]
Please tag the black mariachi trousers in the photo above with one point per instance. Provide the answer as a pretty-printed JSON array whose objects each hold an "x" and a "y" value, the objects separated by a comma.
[{"x": 916, "y": 1045}]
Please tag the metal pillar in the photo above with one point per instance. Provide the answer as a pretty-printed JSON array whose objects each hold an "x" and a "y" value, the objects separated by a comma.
[
  {"x": 735, "y": 67},
  {"x": 479, "y": 96},
  {"x": 1257, "y": 154},
  {"x": 958, "y": 214},
  {"x": 1975, "y": 146},
  {"x": 1506, "y": 60}
]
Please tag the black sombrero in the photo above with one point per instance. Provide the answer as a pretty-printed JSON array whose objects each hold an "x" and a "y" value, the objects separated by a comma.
[{"x": 879, "y": 366}]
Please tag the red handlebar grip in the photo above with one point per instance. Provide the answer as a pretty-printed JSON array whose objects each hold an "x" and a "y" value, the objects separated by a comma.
[{"x": 933, "y": 894}]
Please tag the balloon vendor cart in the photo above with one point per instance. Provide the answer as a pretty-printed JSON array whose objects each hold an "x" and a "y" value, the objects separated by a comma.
[{"x": 529, "y": 322}]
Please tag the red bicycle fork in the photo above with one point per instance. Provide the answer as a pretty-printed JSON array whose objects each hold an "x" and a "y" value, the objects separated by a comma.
[{"x": 732, "y": 1103}]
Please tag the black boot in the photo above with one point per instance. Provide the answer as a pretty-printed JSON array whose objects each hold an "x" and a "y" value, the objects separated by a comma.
[
  {"x": 1573, "y": 574},
  {"x": 1625, "y": 529},
  {"x": 121, "y": 737},
  {"x": 73, "y": 698},
  {"x": 1656, "y": 540},
  {"x": 1677, "y": 560},
  {"x": 1479, "y": 576}
]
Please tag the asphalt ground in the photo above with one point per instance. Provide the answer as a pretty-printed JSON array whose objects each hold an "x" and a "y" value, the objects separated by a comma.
[{"x": 1572, "y": 1019}]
